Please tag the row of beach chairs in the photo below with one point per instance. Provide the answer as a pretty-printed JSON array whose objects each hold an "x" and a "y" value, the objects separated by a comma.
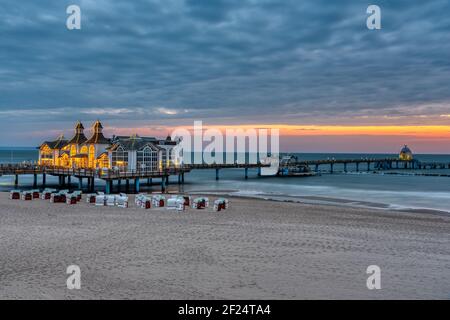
[
  {"x": 100, "y": 199},
  {"x": 175, "y": 202},
  {"x": 55, "y": 196},
  {"x": 178, "y": 202}
]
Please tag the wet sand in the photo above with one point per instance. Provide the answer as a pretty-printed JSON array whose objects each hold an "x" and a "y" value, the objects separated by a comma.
[{"x": 255, "y": 250}]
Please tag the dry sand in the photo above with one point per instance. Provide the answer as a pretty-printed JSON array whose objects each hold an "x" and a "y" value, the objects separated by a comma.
[{"x": 255, "y": 250}]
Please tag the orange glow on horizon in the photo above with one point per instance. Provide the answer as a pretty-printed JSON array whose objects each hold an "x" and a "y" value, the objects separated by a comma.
[{"x": 431, "y": 131}]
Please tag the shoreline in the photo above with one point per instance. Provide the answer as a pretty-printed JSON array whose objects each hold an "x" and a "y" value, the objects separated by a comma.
[
  {"x": 323, "y": 201},
  {"x": 306, "y": 200}
]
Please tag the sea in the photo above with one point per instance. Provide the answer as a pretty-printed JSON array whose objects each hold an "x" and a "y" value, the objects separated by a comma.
[{"x": 397, "y": 189}]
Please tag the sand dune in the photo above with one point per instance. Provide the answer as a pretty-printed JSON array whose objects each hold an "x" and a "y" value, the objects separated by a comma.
[{"x": 255, "y": 250}]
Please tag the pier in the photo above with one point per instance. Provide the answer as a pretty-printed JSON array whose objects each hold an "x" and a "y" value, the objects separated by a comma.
[
  {"x": 367, "y": 164},
  {"x": 85, "y": 178},
  {"x": 110, "y": 175}
]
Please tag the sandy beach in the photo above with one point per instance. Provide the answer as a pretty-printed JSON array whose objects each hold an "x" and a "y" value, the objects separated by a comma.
[{"x": 255, "y": 250}]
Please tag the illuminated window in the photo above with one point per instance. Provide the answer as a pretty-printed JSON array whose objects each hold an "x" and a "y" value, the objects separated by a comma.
[
  {"x": 91, "y": 156},
  {"x": 120, "y": 158},
  {"x": 147, "y": 159},
  {"x": 73, "y": 150}
]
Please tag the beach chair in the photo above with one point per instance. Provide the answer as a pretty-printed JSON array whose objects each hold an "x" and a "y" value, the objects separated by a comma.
[
  {"x": 45, "y": 195},
  {"x": 110, "y": 200},
  {"x": 90, "y": 198},
  {"x": 14, "y": 195},
  {"x": 158, "y": 201},
  {"x": 54, "y": 197},
  {"x": 187, "y": 200},
  {"x": 100, "y": 200},
  {"x": 145, "y": 202},
  {"x": 122, "y": 201},
  {"x": 27, "y": 196},
  {"x": 172, "y": 202},
  {"x": 35, "y": 194},
  {"x": 62, "y": 197},
  {"x": 78, "y": 193},
  {"x": 220, "y": 204},
  {"x": 71, "y": 198},
  {"x": 200, "y": 203}
]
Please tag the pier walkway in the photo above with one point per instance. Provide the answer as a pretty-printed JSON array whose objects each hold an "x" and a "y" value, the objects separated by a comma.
[
  {"x": 299, "y": 168},
  {"x": 111, "y": 175}
]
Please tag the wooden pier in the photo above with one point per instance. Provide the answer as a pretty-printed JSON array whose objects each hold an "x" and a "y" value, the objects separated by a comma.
[
  {"x": 299, "y": 168},
  {"x": 109, "y": 175},
  {"x": 367, "y": 164}
]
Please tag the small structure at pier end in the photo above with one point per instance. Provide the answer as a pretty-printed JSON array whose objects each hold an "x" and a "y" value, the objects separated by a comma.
[
  {"x": 119, "y": 152},
  {"x": 406, "y": 154}
]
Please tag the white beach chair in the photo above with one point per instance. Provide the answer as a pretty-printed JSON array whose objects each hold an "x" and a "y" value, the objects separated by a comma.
[
  {"x": 122, "y": 201},
  {"x": 172, "y": 203},
  {"x": 111, "y": 200},
  {"x": 158, "y": 201},
  {"x": 100, "y": 200}
]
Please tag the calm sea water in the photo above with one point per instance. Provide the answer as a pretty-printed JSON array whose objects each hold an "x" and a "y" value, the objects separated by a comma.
[{"x": 358, "y": 189}]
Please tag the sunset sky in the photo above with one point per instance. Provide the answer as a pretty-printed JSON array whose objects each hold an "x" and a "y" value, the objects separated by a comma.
[{"x": 309, "y": 68}]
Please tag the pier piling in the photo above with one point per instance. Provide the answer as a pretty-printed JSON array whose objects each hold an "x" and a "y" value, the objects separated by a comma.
[
  {"x": 108, "y": 186},
  {"x": 136, "y": 185}
]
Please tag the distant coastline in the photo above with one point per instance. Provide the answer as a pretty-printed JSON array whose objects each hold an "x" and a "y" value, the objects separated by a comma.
[{"x": 17, "y": 148}]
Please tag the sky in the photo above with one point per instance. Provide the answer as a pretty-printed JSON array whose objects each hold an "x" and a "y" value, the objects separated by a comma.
[{"x": 310, "y": 68}]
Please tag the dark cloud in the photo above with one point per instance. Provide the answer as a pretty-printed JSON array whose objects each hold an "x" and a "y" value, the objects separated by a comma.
[{"x": 247, "y": 60}]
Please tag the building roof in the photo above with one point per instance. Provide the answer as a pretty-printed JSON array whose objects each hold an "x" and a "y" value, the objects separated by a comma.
[
  {"x": 79, "y": 136},
  {"x": 405, "y": 149},
  {"x": 102, "y": 154},
  {"x": 134, "y": 143},
  {"x": 56, "y": 144},
  {"x": 97, "y": 136},
  {"x": 79, "y": 125}
]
